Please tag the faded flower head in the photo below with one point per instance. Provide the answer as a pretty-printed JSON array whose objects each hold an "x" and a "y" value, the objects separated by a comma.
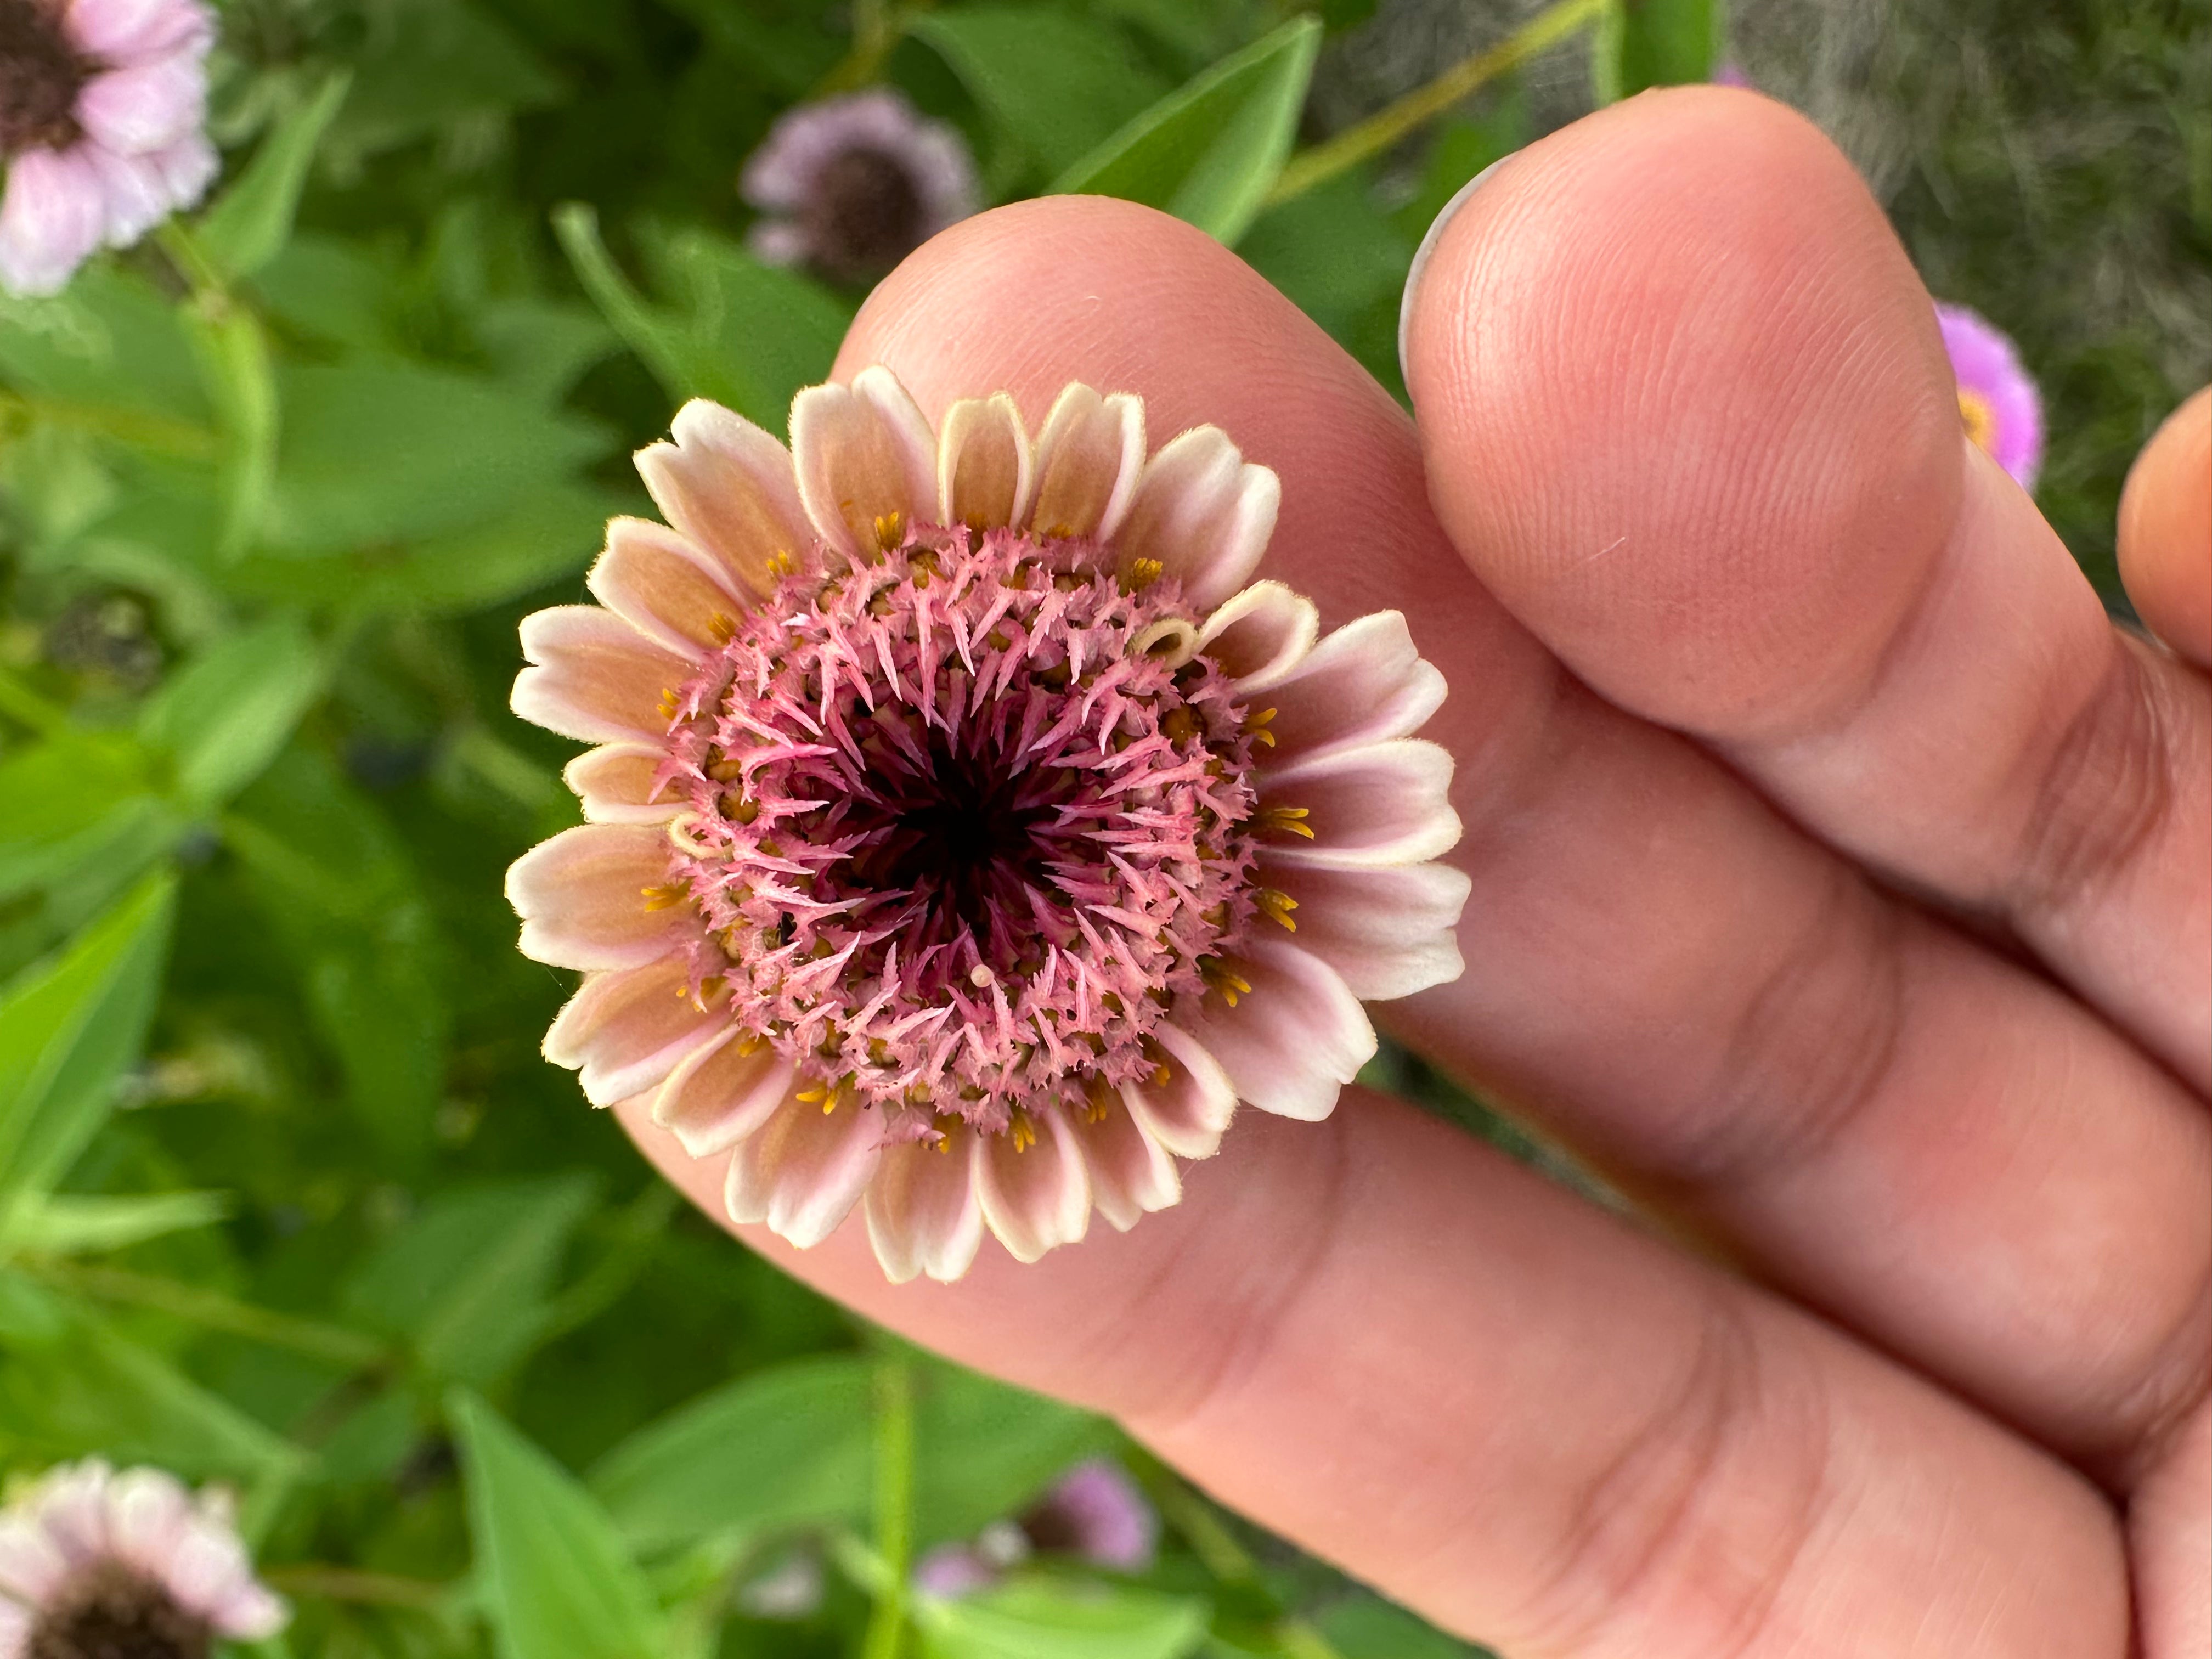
[
  {"x": 851, "y": 186},
  {"x": 98, "y": 1564},
  {"x": 1093, "y": 1514},
  {"x": 1997, "y": 398},
  {"x": 101, "y": 106},
  {"x": 967, "y": 836}
]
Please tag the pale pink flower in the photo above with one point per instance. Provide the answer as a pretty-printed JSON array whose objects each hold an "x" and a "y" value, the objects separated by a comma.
[
  {"x": 851, "y": 186},
  {"x": 101, "y": 107},
  {"x": 94, "y": 1562},
  {"x": 1093, "y": 1514},
  {"x": 970, "y": 833},
  {"x": 1997, "y": 397}
]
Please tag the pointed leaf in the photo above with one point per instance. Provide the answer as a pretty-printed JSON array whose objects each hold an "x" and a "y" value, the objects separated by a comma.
[
  {"x": 1058, "y": 82},
  {"x": 1047, "y": 1618},
  {"x": 70, "y": 1226},
  {"x": 250, "y": 225},
  {"x": 226, "y": 715},
  {"x": 1654, "y": 43}
]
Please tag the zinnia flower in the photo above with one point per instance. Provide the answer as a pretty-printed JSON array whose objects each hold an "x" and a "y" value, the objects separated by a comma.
[
  {"x": 102, "y": 103},
  {"x": 1094, "y": 1513},
  {"x": 95, "y": 1564},
  {"x": 1997, "y": 397},
  {"x": 967, "y": 836},
  {"x": 851, "y": 186}
]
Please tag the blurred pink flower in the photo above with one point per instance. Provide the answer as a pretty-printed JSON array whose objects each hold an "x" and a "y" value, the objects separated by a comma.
[
  {"x": 101, "y": 106},
  {"x": 1997, "y": 398},
  {"x": 1093, "y": 1514},
  {"x": 956, "y": 794},
  {"x": 851, "y": 186},
  {"x": 94, "y": 1562}
]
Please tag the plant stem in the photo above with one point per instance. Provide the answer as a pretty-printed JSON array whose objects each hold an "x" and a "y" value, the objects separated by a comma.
[
  {"x": 214, "y": 1310},
  {"x": 894, "y": 1506},
  {"x": 1395, "y": 120}
]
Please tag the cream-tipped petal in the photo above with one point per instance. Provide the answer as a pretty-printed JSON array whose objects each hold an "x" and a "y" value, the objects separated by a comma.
[
  {"x": 724, "y": 1090},
  {"x": 147, "y": 1511},
  {"x": 657, "y": 580},
  {"x": 249, "y": 1613},
  {"x": 1389, "y": 931},
  {"x": 615, "y": 784},
  {"x": 1382, "y": 803},
  {"x": 1363, "y": 683},
  {"x": 866, "y": 460},
  {"x": 30, "y": 1565},
  {"x": 1037, "y": 1197},
  {"x": 1203, "y": 513},
  {"x": 1260, "y": 634},
  {"x": 983, "y": 464},
  {"x": 1089, "y": 455},
  {"x": 803, "y": 1170},
  {"x": 1188, "y": 1114},
  {"x": 924, "y": 1214},
  {"x": 1292, "y": 1041},
  {"x": 626, "y": 1030},
  {"x": 594, "y": 677},
  {"x": 729, "y": 488},
  {"x": 1131, "y": 1173},
  {"x": 583, "y": 897}
]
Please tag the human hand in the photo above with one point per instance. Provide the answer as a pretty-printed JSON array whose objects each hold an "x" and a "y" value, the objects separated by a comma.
[{"x": 1842, "y": 885}]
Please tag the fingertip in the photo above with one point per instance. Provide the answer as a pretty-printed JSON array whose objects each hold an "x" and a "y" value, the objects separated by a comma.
[{"x": 2166, "y": 531}]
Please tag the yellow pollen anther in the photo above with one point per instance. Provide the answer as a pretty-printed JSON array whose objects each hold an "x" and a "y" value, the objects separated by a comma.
[
  {"x": 1277, "y": 906},
  {"x": 664, "y": 898},
  {"x": 1981, "y": 420},
  {"x": 671, "y": 701},
  {"x": 1162, "y": 1076},
  {"x": 1143, "y": 573},
  {"x": 750, "y": 1043},
  {"x": 1221, "y": 978},
  {"x": 1291, "y": 820},
  {"x": 721, "y": 628},
  {"x": 1021, "y": 1130},
  {"x": 890, "y": 531}
]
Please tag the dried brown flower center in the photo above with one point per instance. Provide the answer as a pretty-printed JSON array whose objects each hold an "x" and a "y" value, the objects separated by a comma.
[
  {"x": 40, "y": 75},
  {"x": 109, "y": 1612},
  {"x": 865, "y": 213}
]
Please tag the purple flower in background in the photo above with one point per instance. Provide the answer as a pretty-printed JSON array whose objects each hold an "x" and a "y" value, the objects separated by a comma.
[
  {"x": 1729, "y": 73},
  {"x": 94, "y": 1562},
  {"x": 1094, "y": 1513},
  {"x": 102, "y": 103},
  {"x": 1997, "y": 398},
  {"x": 851, "y": 186}
]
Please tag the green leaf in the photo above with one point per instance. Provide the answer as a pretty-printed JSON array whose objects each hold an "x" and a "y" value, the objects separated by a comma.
[
  {"x": 984, "y": 1449},
  {"x": 555, "y": 1580},
  {"x": 74, "y": 796},
  {"x": 1051, "y": 1618},
  {"x": 1209, "y": 151},
  {"x": 71, "y": 1225},
  {"x": 1654, "y": 43},
  {"x": 225, "y": 717},
  {"x": 745, "y": 334},
  {"x": 1060, "y": 83},
  {"x": 438, "y": 67},
  {"x": 110, "y": 342},
  {"x": 67, "y": 1029},
  {"x": 1363, "y": 1626},
  {"x": 468, "y": 1283},
  {"x": 250, "y": 225}
]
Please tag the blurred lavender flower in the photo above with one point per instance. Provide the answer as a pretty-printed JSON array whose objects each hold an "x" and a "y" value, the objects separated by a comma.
[
  {"x": 95, "y": 1564},
  {"x": 1729, "y": 73},
  {"x": 101, "y": 106},
  {"x": 851, "y": 186},
  {"x": 1094, "y": 1514},
  {"x": 1997, "y": 398}
]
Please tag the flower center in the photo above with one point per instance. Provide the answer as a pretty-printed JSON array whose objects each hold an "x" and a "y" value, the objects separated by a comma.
[
  {"x": 40, "y": 75},
  {"x": 864, "y": 214},
  {"x": 1981, "y": 420},
  {"x": 109, "y": 1612},
  {"x": 964, "y": 824}
]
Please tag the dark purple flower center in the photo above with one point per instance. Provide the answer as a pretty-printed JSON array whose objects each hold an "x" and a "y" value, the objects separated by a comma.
[
  {"x": 862, "y": 215},
  {"x": 109, "y": 1612},
  {"x": 40, "y": 75}
]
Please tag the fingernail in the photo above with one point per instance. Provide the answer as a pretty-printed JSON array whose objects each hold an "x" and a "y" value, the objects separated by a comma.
[{"x": 1428, "y": 245}]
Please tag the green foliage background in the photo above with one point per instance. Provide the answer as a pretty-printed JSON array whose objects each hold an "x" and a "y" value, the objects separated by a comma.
[{"x": 288, "y": 1198}]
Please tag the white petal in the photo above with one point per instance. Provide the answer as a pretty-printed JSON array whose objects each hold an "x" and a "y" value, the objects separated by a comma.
[
  {"x": 1204, "y": 514},
  {"x": 924, "y": 1213},
  {"x": 148, "y": 1510},
  {"x": 134, "y": 192},
  {"x": 144, "y": 106},
  {"x": 1260, "y": 634},
  {"x": 130, "y": 31},
  {"x": 660, "y": 583},
  {"x": 53, "y": 217},
  {"x": 248, "y": 1612},
  {"x": 1291, "y": 1042},
  {"x": 804, "y": 1170},
  {"x": 727, "y": 487},
  {"x": 721, "y": 1094},
  {"x": 863, "y": 454},
  {"x": 614, "y": 783},
  {"x": 1130, "y": 1171},
  {"x": 1088, "y": 457},
  {"x": 206, "y": 1566},
  {"x": 15, "y": 1630},
  {"x": 1389, "y": 932},
  {"x": 30, "y": 1563},
  {"x": 1038, "y": 1197},
  {"x": 983, "y": 473},
  {"x": 582, "y": 896},
  {"x": 72, "y": 1507},
  {"x": 626, "y": 1030},
  {"x": 1363, "y": 683},
  {"x": 1189, "y": 1113},
  {"x": 1384, "y": 802},
  {"x": 594, "y": 677}
]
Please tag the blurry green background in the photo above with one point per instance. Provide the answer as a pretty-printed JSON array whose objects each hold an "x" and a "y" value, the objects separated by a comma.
[{"x": 287, "y": 1196}]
